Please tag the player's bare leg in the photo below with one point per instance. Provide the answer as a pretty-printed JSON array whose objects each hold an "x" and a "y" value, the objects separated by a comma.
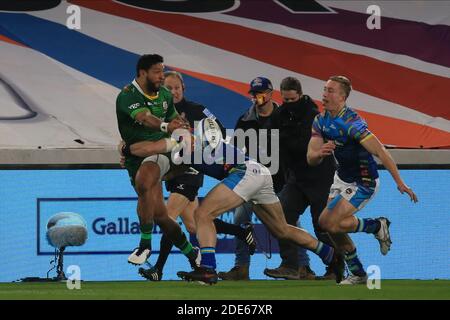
[
  {"x": 152, "y": 209},
  {"x": 340, "y": 218},
  {"x": 177, "y": 205},
  {"x": 357, "y": 273},
  {"x": 219, "y": 200},
  {"x": 273, "y": 218},
  {"x": 187, "y": 215},
  {"x": 222, "y": 199},
  {"x": 146, "y": 184},
  {"x": 172, "y": 230},
  {"x": 343, "y": 242}
]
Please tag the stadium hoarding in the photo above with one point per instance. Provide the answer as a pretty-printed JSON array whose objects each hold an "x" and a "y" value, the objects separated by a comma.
[{"x": 29, "y": 197}]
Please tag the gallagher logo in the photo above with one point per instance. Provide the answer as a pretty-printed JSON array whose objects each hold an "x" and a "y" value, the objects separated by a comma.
[{"x": 101, "y": 226}]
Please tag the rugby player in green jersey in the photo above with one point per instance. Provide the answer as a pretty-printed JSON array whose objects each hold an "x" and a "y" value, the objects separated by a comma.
[{"x": 145, "y": 112}]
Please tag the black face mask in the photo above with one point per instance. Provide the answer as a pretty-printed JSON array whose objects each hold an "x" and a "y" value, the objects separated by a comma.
[
  {"x": 151, "y": 87},
  {"x": 292, "y": 106}
]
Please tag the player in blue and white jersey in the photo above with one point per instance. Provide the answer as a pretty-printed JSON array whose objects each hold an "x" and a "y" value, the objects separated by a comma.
[{"x": 341, "y": 132}]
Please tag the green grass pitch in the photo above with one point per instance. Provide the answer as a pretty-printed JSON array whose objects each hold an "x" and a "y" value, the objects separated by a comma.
[{"x": 228, "y": 290}]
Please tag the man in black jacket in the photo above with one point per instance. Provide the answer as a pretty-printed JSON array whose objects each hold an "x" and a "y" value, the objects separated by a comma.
[
  {"x": 305, "y": 186},
  {"x": 258, "y": 117}
]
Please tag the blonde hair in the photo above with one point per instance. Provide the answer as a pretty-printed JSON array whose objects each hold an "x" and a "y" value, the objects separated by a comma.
[{"x": 346, "y": 84}]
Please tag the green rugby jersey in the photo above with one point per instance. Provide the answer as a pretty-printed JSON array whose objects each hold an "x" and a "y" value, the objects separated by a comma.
[{"x": 132, "y": 100}]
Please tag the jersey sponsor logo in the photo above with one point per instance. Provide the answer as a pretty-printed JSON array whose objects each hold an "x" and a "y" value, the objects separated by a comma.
[
  {"x": 208, "y": 113},
  {"x": 134, "y": 106},
  {"x": 180, "y": 186},
  {"x": 149, "y": 103},
  {"x": 165, "y": 106}
]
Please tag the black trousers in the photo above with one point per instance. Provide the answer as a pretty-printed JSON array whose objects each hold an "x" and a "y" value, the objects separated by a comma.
[{"x": 295, "y": 198}]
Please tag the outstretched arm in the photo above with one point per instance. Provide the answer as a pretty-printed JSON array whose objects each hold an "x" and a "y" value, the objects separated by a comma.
[
  {"x": 148, "y": 148},
  {"x": 145, "y": 149},
  {"x": 149, "y": 120},
  {"x": 374, "y": 146}
]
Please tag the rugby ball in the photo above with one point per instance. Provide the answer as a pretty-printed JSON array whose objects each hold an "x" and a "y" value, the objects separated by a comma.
[{"x": 208, "y": 133}]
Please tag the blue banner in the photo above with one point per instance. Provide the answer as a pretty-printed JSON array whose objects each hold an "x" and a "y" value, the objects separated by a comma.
[{"x": 106, "y": 200}]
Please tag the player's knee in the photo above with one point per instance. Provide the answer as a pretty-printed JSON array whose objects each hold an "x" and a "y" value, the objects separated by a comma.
[
  {"x": 326, "y": 225},
  {"x": 160, "y": 214},
  {"x": 322, "y": 223},
  {"x": 333, "y": 227},
  {"x": 200, "y": 214},
  {"x": 142, "y": 188},
  {"x": 189, "y": 224},
  {"x": 145, "y": 182},
  {"x": 342, "y": 225},
  {"x": 173, "y": 211},
  {"x": 160, "y": 218}
]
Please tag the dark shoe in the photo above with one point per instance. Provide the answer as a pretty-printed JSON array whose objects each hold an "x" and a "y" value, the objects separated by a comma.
[
  {"x": 236, "y": 273},
  {"x": 200, "y": 274},
  {"x": 328, "y": 275},
  {"x": 152, "y": 274},
  {"x": 338, "y": 265},
  {"x": 305, "y": 273},
  {"x": 282, "y": 273},
  {"x": 249, "y": 238}
]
